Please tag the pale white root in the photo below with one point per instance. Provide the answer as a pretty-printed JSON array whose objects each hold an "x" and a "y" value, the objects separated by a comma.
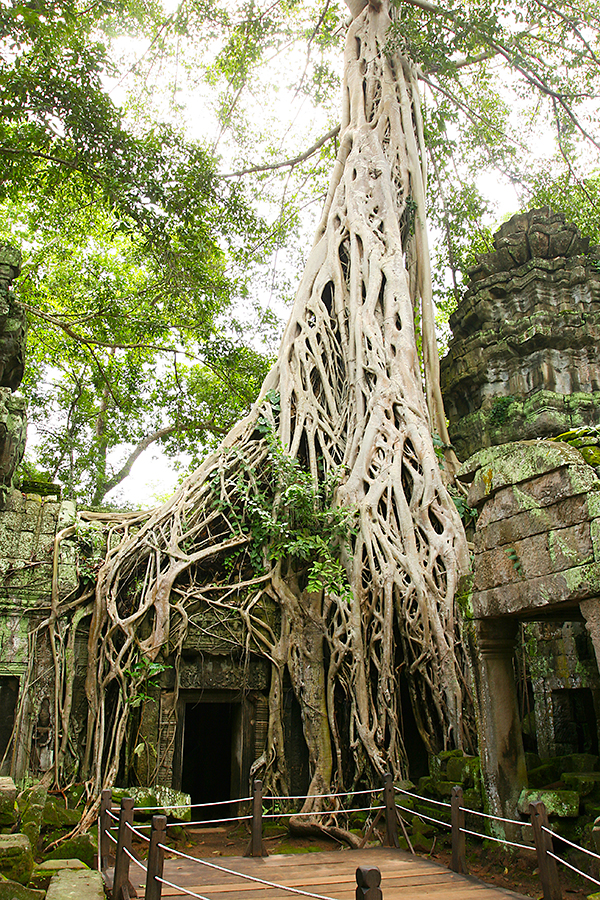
[{"x": 349, "y": 380}]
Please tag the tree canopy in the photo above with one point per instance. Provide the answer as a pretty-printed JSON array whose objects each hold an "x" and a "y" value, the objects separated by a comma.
[
  {"x": 142, "y": 220},
  {"x": 131, "y": 245}
]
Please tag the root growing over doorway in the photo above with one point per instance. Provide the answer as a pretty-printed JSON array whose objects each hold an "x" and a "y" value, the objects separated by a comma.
[{"x": 341, "y": 438}]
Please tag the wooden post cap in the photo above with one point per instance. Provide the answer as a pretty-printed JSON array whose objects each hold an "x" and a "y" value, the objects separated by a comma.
[
  {"x": 368, "y": 879},
  {"x": 368, "y": 876}
]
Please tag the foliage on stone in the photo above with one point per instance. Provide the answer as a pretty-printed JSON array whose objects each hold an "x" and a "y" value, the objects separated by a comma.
[{"x": 586, "y": 439}]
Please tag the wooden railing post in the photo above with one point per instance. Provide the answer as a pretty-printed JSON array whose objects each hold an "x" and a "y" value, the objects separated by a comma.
[
  {"x": 391, "y": 819},
  {"x": 368, "y": 881},
  {"x": 459, "y": 857},
  {"x": 156, "y": 858},
  {"x": 256, "y": 846},
  {"x": 121, "y": 888},
  {"x": 543, "y": 844},
  {"x": 105, "y": 854}
]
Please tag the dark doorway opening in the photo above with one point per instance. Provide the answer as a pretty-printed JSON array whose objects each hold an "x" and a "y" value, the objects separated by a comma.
[
  {"x": 575, "y": 724},
  {"x": 207, "y": 758},
  {"x": 9, "y": 692},
  {"x": 416, "y": 751}
]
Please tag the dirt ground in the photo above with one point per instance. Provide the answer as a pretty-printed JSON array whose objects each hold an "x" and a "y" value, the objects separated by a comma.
[{"x": 515, "y": 871}]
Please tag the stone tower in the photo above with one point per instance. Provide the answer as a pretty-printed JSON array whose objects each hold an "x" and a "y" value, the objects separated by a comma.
[{"x": 524, "y": 360}]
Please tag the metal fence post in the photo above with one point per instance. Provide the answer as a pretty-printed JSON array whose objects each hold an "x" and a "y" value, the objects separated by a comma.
[
  {"x": 543, "y": 844},
  {"x": 256, "y": 846},
  {"x": 156, "y": 858},
  {"x": 105, "y": 855},
  {"x": 368, "y": 881},
  {"x": 459, "y": 858},
  {"x": 120, "y": 888},
  {"x": 391, "y": 819}
]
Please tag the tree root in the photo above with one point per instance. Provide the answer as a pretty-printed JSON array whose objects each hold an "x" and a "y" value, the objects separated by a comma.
[
  {"x": 344, "y": 405},
  {"x": 308, "y": 828}
]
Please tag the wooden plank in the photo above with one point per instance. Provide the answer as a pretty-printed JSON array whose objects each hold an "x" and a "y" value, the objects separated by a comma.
[{"x": 331, "y": 874}]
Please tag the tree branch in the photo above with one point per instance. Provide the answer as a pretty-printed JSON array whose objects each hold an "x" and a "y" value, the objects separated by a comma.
[
  {"x": 89, "y": 341},
  {"x": 288, "y": 162},
  {"x": 103, "y": 488}
]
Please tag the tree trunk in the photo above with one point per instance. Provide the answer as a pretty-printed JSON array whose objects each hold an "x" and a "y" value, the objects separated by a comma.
[{"x": 349, "y": 381}]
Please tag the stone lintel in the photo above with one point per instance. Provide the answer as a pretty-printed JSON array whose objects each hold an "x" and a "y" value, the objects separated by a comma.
[{"x": 544, "y": 595}]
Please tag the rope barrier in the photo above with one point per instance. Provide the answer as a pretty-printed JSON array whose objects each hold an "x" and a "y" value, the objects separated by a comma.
[
  {"x": 193, "y": 805},
  {"x": 477, "y": 812},
  {"x": 112, "y": 815},
  {"x": 570, "y": 843},
  {"x": 281, "y": 887},
  {"x": 137, "y": 833},
  {"x": 320, "y": 812},
  {"x": 574, "y": 868},
  {"x": 424, "y": 799},
  {"x": 179, "y": 888},
  {"x": 207, "y": 822},
  {"x": 135, "y": 859},
  {"x": 112, "y": 837},
  {"x": 326, "y": 796},
  {"x": 423, "y": 816},
  {"x": 489, "y": 837}
]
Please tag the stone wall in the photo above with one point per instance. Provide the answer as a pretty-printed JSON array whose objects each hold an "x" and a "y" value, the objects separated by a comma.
[
  {"x": 28, "y": 526},
  {"x": 536, "y": 559},
  {"x": 537, "y": 544}
]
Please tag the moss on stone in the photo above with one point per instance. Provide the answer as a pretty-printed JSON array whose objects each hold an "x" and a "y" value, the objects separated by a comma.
[
  {"x": 464, "y": 770},
  {"x": 16, "y": 858},
  {"x": 562, "y": 804},
  {"x": 13, "y": 890},
  {"x": 57, "y": 815},
  {"x": 83, "y": 847}
]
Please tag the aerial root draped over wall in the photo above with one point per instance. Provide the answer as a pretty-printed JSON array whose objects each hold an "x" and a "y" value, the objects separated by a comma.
[{"x": 345, "y": 396}]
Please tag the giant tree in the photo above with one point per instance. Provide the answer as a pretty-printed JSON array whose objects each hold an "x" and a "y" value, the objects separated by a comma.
[
  {"x": 322, "y": 522},
  {"x": 341, "y": 425}
]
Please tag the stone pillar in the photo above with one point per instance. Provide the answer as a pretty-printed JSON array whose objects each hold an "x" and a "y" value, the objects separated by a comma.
[
  {"x": 500, "y": 737},
  {"x": 590, "y": 610}
]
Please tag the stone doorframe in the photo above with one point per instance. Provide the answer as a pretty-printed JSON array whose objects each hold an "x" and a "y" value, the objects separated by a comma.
[
  {"x": 243, "y": 735},
  {"x": 536, "y": 555}
]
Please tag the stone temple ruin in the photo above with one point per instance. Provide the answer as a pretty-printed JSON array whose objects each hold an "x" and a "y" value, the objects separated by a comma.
[{"x": 523, "y": 367}]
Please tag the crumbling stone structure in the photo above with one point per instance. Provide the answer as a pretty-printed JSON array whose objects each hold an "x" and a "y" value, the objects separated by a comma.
[
  {"x": 523, "y": 362},
  {"x": 536, "y": 557},
  {"x": 13, "y": 327}
]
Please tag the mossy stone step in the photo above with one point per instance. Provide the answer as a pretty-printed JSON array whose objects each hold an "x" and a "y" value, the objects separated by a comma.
[
  {"x": 584, "y": 783},
  {"x": 76, "y": 884},
  {"x": 563, "y": 804},
  {"x": 16, "y": 858},
  {"x": 12, "y": 890}
]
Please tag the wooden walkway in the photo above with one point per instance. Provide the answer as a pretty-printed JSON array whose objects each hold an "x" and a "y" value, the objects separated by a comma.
[{"x": 330, "y": 873}]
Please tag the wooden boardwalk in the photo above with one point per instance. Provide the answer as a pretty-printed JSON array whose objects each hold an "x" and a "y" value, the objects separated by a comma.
[{"x": 329, "y": 873}]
